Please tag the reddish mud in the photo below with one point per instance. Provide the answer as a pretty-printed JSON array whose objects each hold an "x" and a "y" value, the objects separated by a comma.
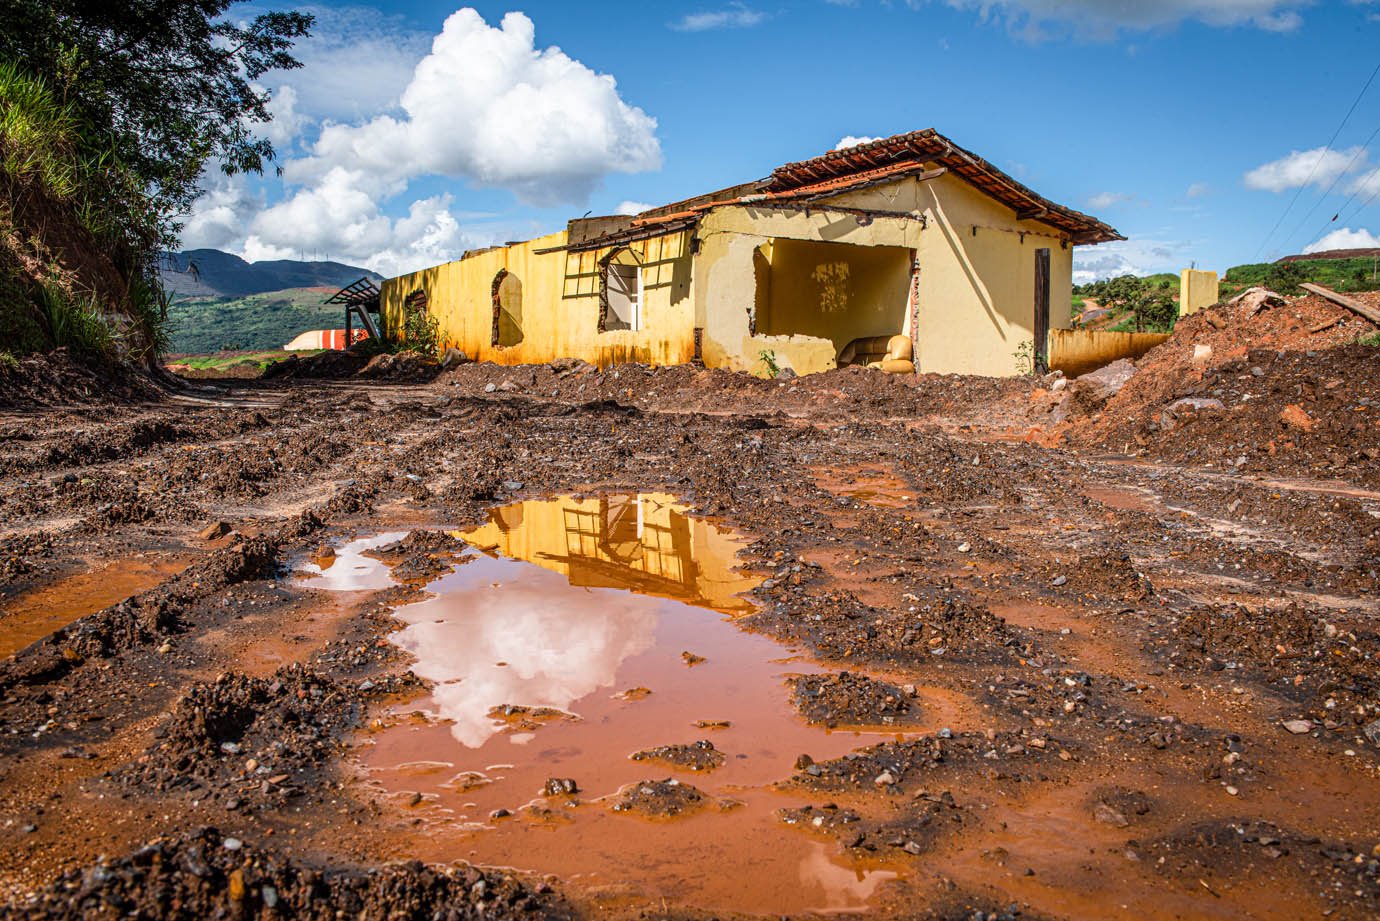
[{"x": 1144, "y": 688}]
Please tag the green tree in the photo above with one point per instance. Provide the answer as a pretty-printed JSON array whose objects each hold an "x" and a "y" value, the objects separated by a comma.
[
  {"x": 109, "y": 112},
  {"x": 169, "y": 83}
]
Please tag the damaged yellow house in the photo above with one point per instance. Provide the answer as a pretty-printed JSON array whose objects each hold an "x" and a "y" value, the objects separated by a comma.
[{"x": 818, "y": 265}]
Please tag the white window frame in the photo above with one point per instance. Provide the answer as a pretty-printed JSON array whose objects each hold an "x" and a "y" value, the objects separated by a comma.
[{"x": 635, "y": 296}]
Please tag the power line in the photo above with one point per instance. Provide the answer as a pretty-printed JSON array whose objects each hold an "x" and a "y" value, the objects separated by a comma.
[
  {"x": 1360, "y": 151},
  {"x": 1318, "y": 162},
  {"x": 1360, "y": 186}
]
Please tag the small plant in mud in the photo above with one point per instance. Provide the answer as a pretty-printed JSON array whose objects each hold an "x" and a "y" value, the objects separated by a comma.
[
  {"x": 1370, "y": 339},
  {"x": 421, "y": 332},
  {"x": 1025, "y": 358},
  {"x": 768, "y": 359}
]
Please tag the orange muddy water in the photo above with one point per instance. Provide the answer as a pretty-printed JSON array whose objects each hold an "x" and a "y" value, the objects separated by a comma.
[
  {"x": 614, "y": 616},
  {"x": 33, "y": 615}
]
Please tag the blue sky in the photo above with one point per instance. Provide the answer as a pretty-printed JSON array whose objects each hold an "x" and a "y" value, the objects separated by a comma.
[{"x": 419, "y": 129}]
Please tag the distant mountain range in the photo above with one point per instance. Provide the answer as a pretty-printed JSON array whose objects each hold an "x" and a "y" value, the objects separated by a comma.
[{"x": 212, "y": 273}]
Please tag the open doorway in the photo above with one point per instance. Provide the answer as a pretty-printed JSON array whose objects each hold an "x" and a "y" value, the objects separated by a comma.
[
  {"x": 836, "y": 291},
  {"x": 621, "y": 293},
  {"x": 507, "y": 301}
]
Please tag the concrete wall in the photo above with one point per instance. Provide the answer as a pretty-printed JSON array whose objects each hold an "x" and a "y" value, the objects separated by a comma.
[
  {"x": 1197, "y": 289},
  {"x": 1078, "y": 351}
]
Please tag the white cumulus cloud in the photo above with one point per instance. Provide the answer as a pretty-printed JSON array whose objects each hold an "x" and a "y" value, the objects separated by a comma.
[
  {"x": 853, "y": 140},
  {"x": 1136, "y": 256},
  {"x": 629, "y": 208},
  {"x": 1320, "y": 166},
  {"x": 221, "y": 216},
  {"x": 1344, "y": 238},
  {"x": 488, "y": 106}
]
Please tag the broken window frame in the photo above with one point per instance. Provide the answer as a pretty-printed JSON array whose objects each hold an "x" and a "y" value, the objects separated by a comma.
[{"x": 636, "y": 298}]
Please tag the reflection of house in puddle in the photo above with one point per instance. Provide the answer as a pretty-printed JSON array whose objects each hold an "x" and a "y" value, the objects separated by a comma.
[{"x": 644, "y": 543}]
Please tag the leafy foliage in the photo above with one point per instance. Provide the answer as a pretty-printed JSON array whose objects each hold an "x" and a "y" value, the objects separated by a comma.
[
  {"x": 169, "y": 83},
  {"x": 1148, "y": 302},
  {"x": 421, "y": 332},
  {"x": 108, "y": 114},
  {"x": 1360, "y": 273}
]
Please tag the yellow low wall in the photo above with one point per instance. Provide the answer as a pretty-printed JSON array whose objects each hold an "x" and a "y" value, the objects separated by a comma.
[{"x": 1078, "y": 351}]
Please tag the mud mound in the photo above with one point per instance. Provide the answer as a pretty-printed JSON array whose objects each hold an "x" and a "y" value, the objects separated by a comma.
[
  {"x": 1001, "y": 403},
  {"x": 852, "y": 700},
  {"x": 660, "y": 799},
  {"x": 61, "y": 379},
  {"x": 208, "y": 875},
  {"x": 328, "y": 365},
  {"x": 697, "y": 756},
  {"x": 421, "y": 556},
  {"x": 1261, "y": 389},
  {"x": 246, "y": 741},
  {"x": 1307, "y": 657},
  {"x": 1342, "y": 873}
]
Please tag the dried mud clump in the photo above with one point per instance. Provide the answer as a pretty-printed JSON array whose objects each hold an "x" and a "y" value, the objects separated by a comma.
[
  {"x": 659, "y": 799},
  {"x": 247, "y": 741},
  {"x": 207, "y": 875},
  {"x": 421, "y": 556},
  {"x": 1111, "y": 576},
  {"x": 848, "y": 699},
  {"x": 696, "y": 756}
]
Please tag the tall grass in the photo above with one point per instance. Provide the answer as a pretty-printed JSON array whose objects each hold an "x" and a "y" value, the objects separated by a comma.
[{"x": 98, "y": 293}]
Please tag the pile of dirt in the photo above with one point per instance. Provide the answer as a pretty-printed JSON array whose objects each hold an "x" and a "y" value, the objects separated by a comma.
[
  {"x": 1281, "y": 386},
  {"x": 202, "y": 874},
  {"x": 329, "y": 365},
  {"x": 853, "y": 700},
  {"x": 59, "y": 378},
  {"x": 696, "y": 756}
]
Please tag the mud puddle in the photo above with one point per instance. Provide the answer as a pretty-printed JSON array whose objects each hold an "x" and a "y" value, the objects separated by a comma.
[
  {"x": 870, "y": 484},
  {"x": 35, "y": 614},
  {"x": 578, "y": 634}
]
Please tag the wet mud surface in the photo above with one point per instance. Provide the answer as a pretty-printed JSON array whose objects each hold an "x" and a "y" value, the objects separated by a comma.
[{"x": 1078, "y": 686}]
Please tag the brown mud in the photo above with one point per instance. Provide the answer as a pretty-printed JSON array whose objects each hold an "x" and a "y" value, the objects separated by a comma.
[{"x": 1132, "y": 689}]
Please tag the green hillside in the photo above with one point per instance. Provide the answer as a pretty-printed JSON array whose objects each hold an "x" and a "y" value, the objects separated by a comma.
[
  {"x": 256, "y": 321},
  {"x": 1337, "y": 274}
]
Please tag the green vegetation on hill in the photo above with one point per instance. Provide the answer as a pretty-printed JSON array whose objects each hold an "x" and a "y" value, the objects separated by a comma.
[
  {"x": 258, "y": 321},
  {"x": 1148, "y": 304},
  {"x": 1338, "y": 274}
]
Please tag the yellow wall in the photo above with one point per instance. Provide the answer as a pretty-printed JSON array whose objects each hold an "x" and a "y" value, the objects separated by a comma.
[
  {"x": 976, "y": 286},
  {"x": 1197, "y": 289},
  {"x": 1078, "y": 351},
  {"x": 560, "y": 304}
]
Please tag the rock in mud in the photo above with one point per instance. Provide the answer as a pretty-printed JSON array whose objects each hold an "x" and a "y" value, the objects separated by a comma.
[
  {"x": 560, "y": 786},
  {"x": 697, "y": 756},
  {"x": 659, "y": 799},
  {"x": 848, "y": 699}
]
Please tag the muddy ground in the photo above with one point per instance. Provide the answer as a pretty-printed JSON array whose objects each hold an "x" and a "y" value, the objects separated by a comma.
[{"x": 1156, "y": 680}]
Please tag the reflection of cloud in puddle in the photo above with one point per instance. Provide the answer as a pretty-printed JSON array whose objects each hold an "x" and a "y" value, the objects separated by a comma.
[
  {"x": 349, "y": 570},
  {"x": 560, "y": 643},
  {"x": 844, "y": 889}
]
